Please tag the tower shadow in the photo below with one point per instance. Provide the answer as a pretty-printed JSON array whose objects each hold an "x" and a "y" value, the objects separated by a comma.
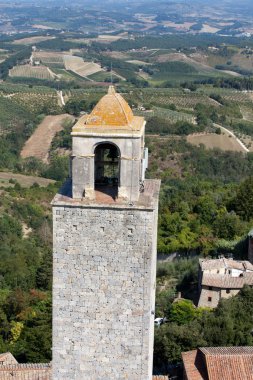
[{"x": 106, "y": 192}]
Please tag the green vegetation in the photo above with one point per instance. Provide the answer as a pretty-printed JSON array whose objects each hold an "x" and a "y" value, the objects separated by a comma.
[
  {"x": 164, "y": 127},
  {"x": 26, "y": 272},
  {"x": 207, "y": 219},
  {"x": 13, "y": 60},
  {"x": 230, "y": 324},
  {"x": 59, "y": 44}
]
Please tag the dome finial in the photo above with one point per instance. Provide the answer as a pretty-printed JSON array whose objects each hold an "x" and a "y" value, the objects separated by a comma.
[{"x": 111, "y": 90}]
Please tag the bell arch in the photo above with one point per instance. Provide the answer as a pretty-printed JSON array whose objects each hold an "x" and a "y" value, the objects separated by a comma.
[{"x": 106, "y": 165}]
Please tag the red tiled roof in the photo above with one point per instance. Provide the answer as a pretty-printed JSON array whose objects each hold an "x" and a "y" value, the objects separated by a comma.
[
  {"x": 219, "y": 363},
  {"x": 240, "y": 350},
  {"x": 230, "y": 363},
  {"x": 225, "y": 281},
  {"x": 194, "y": 368}
]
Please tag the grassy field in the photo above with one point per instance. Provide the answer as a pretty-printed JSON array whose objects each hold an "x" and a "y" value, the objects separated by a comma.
[
  {"x": 23, "y": 180},
  {"x": 104, "y": 76},
  {"x": 212, "y": 140},
  {"x": 64, "y": 74}
]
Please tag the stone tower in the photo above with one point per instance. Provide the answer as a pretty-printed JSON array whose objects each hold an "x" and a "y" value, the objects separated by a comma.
[{"x": 105, "y": 227}]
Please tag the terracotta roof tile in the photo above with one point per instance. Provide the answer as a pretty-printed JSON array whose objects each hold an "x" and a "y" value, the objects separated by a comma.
[
  {"x": 112, "y": 109},
  {"x": 112, "y": 115},
  {"x": 219, "y": 363},
  {"x": 227, "y": 281},
  {"x": 229, "y": 363},
  {"x": 26, "y": 372},
  {"x": 194, "y": 366},
  {"x": 237, "y": 350}
]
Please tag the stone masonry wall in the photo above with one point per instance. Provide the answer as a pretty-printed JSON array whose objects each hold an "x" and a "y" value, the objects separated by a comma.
[
  {"x": 103, "y": 292},
  {"x": 213, "y": 295}
]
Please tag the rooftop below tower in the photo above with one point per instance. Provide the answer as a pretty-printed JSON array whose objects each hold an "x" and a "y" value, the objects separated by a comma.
[{"x": 106, "y": 196}]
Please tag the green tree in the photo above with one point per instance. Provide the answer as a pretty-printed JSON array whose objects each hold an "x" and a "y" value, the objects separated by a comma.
[
  {"x": 182, "y": 311},
  {"x": 243, "y": 201}
]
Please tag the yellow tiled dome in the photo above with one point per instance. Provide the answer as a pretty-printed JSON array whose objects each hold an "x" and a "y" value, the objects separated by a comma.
[{"x": 112, "y": 109}]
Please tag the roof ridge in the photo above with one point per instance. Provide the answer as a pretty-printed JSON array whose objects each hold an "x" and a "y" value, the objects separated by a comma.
[{"x": 119, "y": 101}]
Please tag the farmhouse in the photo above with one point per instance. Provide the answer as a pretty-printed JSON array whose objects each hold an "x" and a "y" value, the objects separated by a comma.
[{"x": 222, "y": 278}]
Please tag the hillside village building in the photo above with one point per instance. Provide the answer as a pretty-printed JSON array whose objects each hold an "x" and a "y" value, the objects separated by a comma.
[
  {"x": 222, "y": 278},
  {"x": 105, "y": 227}
]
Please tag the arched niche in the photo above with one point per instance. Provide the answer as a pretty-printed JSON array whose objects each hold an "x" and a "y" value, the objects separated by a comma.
[{"x": 106, "y": 165}]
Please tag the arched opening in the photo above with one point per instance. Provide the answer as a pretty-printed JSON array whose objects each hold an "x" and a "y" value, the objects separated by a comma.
[{"x": 107, "y": 167}]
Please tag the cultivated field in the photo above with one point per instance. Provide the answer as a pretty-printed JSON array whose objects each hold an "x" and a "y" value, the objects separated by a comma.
[
  {"x": 39, "y": 143},
  {"x": 247, "y": 112},
  {"x": 80, "y": 67},
  {"x": 53, "y": 59},
  {"x": 167, "y": 114},
  {"x": 32, "y": 40},
  {"x": 180, "y": 100},
  {"x": 36, "y": 102},
  {"x": 28, "y": 71},
  {"x": 212, "y": 140},
  {"x": 106, "y": 38},
  {"x": 180, "y": 57},
  {"x": 23, "y": 180}
]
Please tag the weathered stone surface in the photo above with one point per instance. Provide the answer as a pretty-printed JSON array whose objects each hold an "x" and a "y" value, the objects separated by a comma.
[{"x": 104, "y": 291}]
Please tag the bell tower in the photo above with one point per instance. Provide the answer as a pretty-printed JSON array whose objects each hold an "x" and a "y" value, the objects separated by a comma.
[
  {"x": 105, "y": 226},
  {"x": 108, "y": 149}
]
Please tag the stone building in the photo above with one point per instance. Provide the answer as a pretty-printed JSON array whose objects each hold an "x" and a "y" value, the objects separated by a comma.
[
  {"x": 222, "y": 278},
  {"x": 105, "y": 227}
]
